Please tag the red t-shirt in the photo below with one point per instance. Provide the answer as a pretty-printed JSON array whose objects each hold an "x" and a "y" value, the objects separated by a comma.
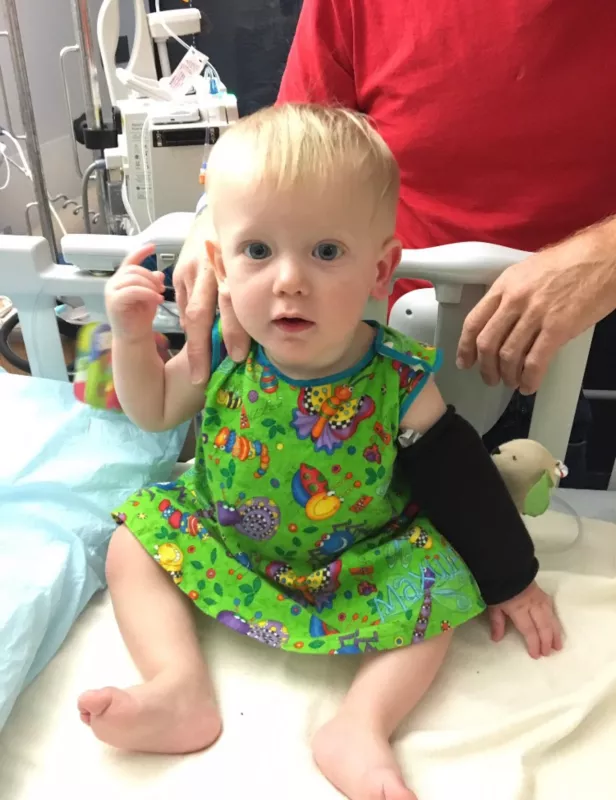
[{"x": 501, "y": 114}]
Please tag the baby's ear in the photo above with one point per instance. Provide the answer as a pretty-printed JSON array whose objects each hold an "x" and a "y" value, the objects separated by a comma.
[
  {"x": 214, "y": 256},
  {"x": 388, "y": 261}
]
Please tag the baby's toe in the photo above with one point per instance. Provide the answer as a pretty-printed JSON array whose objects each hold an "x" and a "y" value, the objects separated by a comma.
[
  {"x": 386, "y": 784},
  {"x": 94, "y": 703}
]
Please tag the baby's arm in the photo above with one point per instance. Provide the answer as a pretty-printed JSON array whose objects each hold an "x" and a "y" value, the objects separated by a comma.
[
  {"x": 456, "y": 483},
  {"x": 154, "y": 395}
]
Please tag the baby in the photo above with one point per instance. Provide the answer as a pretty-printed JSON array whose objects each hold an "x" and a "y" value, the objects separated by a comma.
[{"x": 293, "y": 527}]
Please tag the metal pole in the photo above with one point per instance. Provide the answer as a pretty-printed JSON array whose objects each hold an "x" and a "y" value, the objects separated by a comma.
[
  {"x": 67, "y": 99},
  {"x": 89, "y": 77},
  {"x": 5, "y": 99},
  {"x": 27, "y": 114},
  {"x": 91, "y": 92}
]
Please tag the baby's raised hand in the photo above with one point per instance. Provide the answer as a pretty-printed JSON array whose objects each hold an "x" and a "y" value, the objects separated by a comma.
[
  {"x": 132, "y": 296},
  {"x": 532, "y": 613}
]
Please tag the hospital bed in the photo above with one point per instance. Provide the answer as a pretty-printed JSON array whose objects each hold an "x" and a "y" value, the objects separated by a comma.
[{"x": 497, "y": 726}]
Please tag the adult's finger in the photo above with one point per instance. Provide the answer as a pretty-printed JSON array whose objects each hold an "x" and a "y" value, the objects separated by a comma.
[
  {"x": 526, "y": 626},
  {"x": 514, "y": 350},
  {"x": 491, "y": 340},
  {"x": 474, "y": 323},
  {"x": 199, "y": 318},
  {"x": 538, "y": 360},
  {"x": 543, "y": 618},
  {"x": 498, "y": 622},
  {"x": 235, "y": 337},
  {"x": 181, "y": 298},
  {"x": 184, "y": 278}
]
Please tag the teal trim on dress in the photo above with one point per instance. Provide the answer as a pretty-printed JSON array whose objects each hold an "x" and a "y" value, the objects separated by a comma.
[
  {"x": 432, "y": 370},
  {"x": 264, "y": 361},
  {"x": 217, "y": 346}
]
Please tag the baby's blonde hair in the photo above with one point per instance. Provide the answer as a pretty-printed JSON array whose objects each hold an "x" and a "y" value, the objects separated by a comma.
[{"x": 289, "y": 144}]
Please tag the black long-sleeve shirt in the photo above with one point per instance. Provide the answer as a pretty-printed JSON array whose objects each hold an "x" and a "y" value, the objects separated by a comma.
[{"x": 456, "y": 484}]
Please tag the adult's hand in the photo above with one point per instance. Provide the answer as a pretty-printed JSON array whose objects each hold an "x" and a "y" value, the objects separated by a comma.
[
  {"x": 197, "y": 297},
  {"x": 538, "y": 305}
]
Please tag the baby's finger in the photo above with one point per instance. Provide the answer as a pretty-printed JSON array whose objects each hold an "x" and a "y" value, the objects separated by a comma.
[
  {"x": 139, "y": 256},
  {"x": 497, "y": 624},
  {"x": 137, "y": 294},
  {"x": 131, "y": 279},
  {"x": 155, "y": 274},
  {"x": 155, "y": 278},
  {"x": 545, "y": 622},
  {"x": 526, "y": 626}
]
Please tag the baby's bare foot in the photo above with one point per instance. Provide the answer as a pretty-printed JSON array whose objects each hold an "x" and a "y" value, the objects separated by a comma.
[
  {"x": 161, "y": 716},
  {"x": 359, "y": 762}
]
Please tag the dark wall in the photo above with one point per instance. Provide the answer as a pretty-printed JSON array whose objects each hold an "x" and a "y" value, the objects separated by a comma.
[{"x": 247, "y": 41}]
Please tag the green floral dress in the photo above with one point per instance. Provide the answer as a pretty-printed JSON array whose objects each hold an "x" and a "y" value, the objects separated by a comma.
[{"x": 291, "y": 527}]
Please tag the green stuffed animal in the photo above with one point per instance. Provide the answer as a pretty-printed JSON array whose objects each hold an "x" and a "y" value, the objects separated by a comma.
[{"x": 530, "y": 472}]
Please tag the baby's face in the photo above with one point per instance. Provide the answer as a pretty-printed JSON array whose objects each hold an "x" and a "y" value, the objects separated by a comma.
[{"x": 300, "y": 265}]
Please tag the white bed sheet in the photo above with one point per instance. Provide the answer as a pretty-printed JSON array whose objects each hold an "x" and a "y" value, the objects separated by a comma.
[{"x": 497, "y": 726}]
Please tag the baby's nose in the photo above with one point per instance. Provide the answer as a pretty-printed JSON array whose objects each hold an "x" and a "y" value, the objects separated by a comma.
[{"x": 291, "y": 277}]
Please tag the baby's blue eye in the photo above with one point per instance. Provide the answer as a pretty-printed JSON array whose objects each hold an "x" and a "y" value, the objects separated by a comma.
[
  {"x": 327, "y": 251},
  {"x": 258, "y": 251}
]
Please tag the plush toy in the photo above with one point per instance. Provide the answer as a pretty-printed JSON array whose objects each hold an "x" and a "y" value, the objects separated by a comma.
[
  {"x": 530, "y": 472},
  {"x": 93, "y": 383}
]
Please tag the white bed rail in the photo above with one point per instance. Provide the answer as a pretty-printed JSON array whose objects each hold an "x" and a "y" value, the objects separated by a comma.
[{"x": 460, "y": 274}]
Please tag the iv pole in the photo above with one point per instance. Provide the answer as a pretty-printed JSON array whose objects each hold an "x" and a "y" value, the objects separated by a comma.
[
  {"x": 91, "y": 92},
  {"x": 33, "y": 147}
]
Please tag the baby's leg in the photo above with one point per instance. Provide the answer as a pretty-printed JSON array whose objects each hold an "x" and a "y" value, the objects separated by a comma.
[
  {"x": 353, "y": 750},
  {"x": 174, "y": 711}
]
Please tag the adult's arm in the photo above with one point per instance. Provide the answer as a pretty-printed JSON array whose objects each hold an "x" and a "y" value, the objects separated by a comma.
[
  {"x": 320, "y": 64},
  {"x": 540, "y": 304}
]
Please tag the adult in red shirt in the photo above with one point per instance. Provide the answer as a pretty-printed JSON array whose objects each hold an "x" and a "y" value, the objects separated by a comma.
[{"x": 502, "y": 118}]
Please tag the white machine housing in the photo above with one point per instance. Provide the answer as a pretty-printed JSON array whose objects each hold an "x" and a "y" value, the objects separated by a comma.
[
  {"x": 158, "y": 168},
  {"x": 149, "y": 28},
  {"x": 161, "y": 168}
]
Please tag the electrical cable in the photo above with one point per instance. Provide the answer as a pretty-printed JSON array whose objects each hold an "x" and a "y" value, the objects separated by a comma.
[
  {"x": 18, "y": 166},
  {"x": 8, "y": 167},
  {"x": 168, "y": 29},
  {"x": 6, "y": 329},
  {"x": 557, "y": 500},
  {"x": 26, "y": 167},
  {"x": 128, "y": 207},
  {"x": 8, "y": 325},
  {"x": 25, "y": 170}
]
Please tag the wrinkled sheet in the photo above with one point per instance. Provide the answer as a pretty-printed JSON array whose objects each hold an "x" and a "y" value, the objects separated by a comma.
[
  {"x": 64, "y": 465},
  {"x": 496, "y": 726}
]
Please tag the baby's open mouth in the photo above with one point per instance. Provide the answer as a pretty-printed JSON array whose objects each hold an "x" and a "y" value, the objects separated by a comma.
[{"x": 293, "y": 324}]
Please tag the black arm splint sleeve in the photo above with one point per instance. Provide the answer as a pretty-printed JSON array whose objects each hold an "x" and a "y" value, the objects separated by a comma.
[{"x": 457, "y": 486}]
